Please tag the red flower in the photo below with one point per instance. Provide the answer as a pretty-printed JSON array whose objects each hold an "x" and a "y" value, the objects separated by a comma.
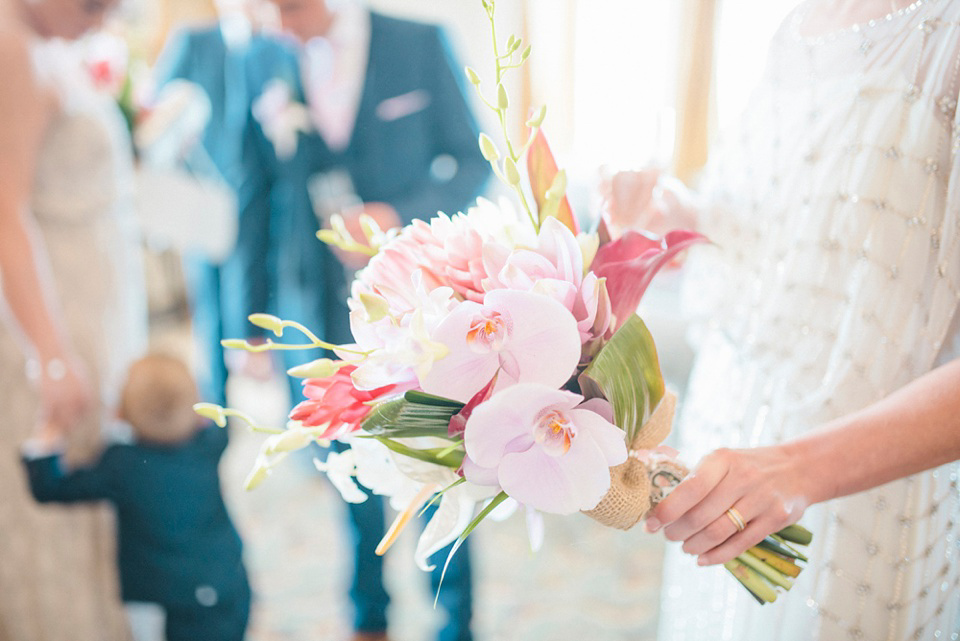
[{"x": 336, "y": 403}]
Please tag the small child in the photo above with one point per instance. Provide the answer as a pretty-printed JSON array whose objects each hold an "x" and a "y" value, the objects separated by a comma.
[{"x": 176, "y": 545}]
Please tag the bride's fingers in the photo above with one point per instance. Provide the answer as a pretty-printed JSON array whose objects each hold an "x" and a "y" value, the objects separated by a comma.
[
  {"x": 727, "y": 524},
  {"x": 756, "y": 531},
  {"x": 708, "y": 511},
  {"x": 689, "y": 493}
]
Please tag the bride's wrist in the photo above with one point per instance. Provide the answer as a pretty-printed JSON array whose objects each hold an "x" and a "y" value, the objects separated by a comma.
[
  {"x": 814, "y": 476},
  {"x": 53, "y": 368}
]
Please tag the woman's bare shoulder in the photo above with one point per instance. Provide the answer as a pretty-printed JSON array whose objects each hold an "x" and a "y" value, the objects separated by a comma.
[
  {"x": 21, "y": 94},
  {"x": 25, "y": 105}
]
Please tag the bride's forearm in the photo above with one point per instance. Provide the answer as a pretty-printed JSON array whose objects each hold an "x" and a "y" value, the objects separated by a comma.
[
  {"x": 25, "y": 290},
  {"x": 914, "y": 429}
]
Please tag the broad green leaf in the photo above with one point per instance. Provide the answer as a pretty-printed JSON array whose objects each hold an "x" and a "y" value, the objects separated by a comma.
[
  {"x": 416, "y": 396},
  {"x": 402, "y": 417},
  {"x": 626, "y": 372},
  {"x": 437, "y": 456}
]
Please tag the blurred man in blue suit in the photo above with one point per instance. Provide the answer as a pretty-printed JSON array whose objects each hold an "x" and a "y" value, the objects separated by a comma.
[
  {"x": 375, "y": 107},
  {"x": 222, "y": 295}
]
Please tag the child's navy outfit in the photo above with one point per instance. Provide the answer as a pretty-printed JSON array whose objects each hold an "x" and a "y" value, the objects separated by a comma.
[{"x": 176, "y": 544}]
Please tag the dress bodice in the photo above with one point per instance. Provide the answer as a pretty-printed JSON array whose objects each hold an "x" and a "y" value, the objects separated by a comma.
[
  {"x": 835, "y": 280},
  {"x": 837, "y": 211},
  {"x": 82, "y": 202},
  {"x": 83, "y": 168}
]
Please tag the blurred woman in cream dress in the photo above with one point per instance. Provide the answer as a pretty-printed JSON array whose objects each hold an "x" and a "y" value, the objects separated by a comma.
[
  {"x": 827, "y": 380},
  {"x": 74, "y": 313}
]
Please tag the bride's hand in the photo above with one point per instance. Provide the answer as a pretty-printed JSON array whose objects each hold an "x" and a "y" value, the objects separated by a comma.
[
  {"x": 766, "y": 487},
  {"x": 65, "y": 391}
]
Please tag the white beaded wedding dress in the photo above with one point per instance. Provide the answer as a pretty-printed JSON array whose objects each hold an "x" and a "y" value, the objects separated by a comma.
[
  {"x": 57, "y": 564},
  {"x": 835, "y": 281}
]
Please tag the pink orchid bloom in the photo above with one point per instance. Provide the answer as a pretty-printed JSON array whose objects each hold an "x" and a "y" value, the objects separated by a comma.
[
  {"x": 336, "y": 403},
  {"x": 630, "y": 263},
  {"x": 544, "y": 447},
  {"x": 521, "y": 337},
  {"x": 553, "y": 267}
]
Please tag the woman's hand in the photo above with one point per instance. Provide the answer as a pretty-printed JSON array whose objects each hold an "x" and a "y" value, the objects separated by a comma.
[
  {"x": 65, "y": 391},
  {"x": 767, "y": 486}
]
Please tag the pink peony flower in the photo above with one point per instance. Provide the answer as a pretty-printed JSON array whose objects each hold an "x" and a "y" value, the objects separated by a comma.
[
  {"x": 448, "y": 251},
  {"x": 544, "y": 447},
  {"x": 336, "y": 403}
]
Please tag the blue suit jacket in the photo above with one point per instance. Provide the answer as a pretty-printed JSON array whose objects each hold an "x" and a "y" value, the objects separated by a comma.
[
  {"x": 389, "y": 159},
  {"x": 174, "y": 533},
  {"x": 202, "y": 56}
]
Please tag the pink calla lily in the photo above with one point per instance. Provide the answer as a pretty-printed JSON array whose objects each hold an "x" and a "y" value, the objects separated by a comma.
[{"x": 630, "y": 263}]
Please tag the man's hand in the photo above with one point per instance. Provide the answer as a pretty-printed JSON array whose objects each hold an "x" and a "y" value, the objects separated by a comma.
[{"x": 383, "y": 214}]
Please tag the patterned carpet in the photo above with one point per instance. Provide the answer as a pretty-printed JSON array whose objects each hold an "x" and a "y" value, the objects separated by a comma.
[{"x": 587, "y": 582}]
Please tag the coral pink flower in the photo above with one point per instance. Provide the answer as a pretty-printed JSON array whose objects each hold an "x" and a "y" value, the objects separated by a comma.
[
  {"x": 336, "y": 403},
  {"x": 544, "y": 447}
]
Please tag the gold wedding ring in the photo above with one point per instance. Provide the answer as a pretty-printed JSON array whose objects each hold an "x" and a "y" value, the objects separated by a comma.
[{"x": 734, "y": 515}]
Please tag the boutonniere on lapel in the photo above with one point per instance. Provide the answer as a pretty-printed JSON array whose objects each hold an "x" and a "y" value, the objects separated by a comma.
[{"x": 281, "y": 117}]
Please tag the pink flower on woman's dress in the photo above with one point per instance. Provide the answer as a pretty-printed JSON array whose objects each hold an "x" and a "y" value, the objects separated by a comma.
[
  {"x": 336, "y": 403},
  {"x": 544, "y": 447}
]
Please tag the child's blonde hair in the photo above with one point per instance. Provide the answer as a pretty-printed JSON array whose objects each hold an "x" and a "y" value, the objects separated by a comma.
[{"x": 158, "y": 398}]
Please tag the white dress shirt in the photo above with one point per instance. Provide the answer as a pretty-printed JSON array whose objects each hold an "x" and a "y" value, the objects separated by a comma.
[{"x": 334, "y": 68}]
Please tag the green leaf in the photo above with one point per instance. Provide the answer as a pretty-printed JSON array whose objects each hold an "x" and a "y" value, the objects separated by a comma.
[
  {"x": 796, "y": 534},
  {"x": 626, "y": 372},
  {"x": 415, "y": 414},
  {"x": 416, "y": 396},
  {"x": 438, "y": 455},
  {"x": 497, "y": 500}
]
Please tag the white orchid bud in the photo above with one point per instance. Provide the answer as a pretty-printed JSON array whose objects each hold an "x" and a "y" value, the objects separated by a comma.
[
  {"x": 472, "y": 76},
  {"x": 267, "y": 321},
  {"x": 288, "y": 441},
  {"x": 328, "y": 236},
  {"x": 211, "y": 411},
  {"x": 537, "y": 118},
  {"x": 320, "y": 368},
  {"x": 503, "y": 101},
  {"x": 510, "y": 171},
  {"x": 488, "y": 148},
  {"x": 259, "y": 473},
  {"x": 376, "y": 306}
]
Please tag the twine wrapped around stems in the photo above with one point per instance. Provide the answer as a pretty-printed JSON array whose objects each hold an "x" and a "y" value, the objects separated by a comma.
[{"x": 638, "y": 484}]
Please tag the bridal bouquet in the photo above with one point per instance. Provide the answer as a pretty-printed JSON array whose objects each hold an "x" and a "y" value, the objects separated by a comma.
[{"x": 497, "y": 363}]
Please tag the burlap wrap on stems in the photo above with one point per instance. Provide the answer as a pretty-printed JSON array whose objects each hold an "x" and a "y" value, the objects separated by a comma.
[{"x": 631, "y": 491}]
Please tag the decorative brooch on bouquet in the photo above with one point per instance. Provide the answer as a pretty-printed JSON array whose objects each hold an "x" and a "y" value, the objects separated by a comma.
[{"x": 498, "y": 363}]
